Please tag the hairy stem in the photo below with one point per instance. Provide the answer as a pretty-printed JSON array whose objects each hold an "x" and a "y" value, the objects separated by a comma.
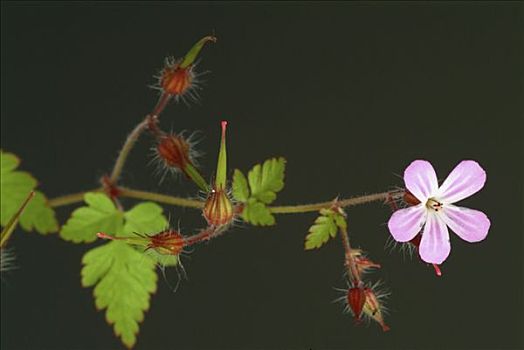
[
  {"x": 198, "y": 204},
  {"x": 203, "y": 235},
  {"x": 349, "y": 261},
  {"x": 161, "y": 198},
  {"x": 304, "y": 208},
  {"x": 71, "y": 198},
  {"x": 128, "y": 145}
]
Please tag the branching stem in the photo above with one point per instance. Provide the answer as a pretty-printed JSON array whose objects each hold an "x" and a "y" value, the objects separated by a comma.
[{"x": 198, "y": 204}]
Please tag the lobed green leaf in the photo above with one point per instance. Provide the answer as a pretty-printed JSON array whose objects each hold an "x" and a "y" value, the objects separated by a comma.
[
  {"x": 15, "y": 186},
  {"x": 267, "y": 179},
  {"x": 326, "y": 226},
  {"x": 100, "y": 215},
  {"x": 257, "y": 213},
  {"x": 125, "y": 280},
  {"x": 240, "y": 187}
]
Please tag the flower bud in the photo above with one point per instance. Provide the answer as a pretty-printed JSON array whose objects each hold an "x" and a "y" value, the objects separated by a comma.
[
  {"x": 218, "y": 209},
  {"x": 356, "y": 299}
]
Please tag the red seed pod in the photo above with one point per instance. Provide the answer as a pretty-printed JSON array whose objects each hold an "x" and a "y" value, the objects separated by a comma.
[
  {"x": 356, "y": 299},
  {"x": 175, "y": 80},
  {"x": 218, "y": 209},
  {"x": 168, "y": 242},
  {"x": 174, "y": 150},
  {"x": 410, "y": 199}
]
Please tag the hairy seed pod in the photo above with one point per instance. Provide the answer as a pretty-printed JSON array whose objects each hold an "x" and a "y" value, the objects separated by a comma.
[
  {"x": 173, "y": 150},
  {"x": 218, "y": 209}
]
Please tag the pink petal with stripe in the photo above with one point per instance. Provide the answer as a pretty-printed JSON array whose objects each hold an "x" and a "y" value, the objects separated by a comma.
[
  {"x": 404, "y": 224},
  {"x": 469, "y": 224},
  {"x": 421, "y": 180},
  {"x": 467, "y": 178},
  {"x": 434, "y": 246}
]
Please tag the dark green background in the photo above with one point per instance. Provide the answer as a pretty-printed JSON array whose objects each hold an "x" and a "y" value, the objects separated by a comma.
[{"x": 350, "y": 94}]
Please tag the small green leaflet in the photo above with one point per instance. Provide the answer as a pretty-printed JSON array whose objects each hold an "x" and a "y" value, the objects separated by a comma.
[
  {"x": 259, "y": 189},
  {"x": 100, "y": 215},
  {"x": 257, "y": 213},
  {"x": 124, "y": 277},
  {"x": 240, "y": 187},
  {"x": 15, "y": 186},
  {"x": 124, "y": 280},
  {"x": 326, "y": 225},
  {"x": 267, "y": 179}
]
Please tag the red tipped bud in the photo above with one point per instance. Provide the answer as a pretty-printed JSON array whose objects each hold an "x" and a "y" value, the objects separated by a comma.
[
  {"x": 218, "y": 209},
  {"x": 356, "y": 299}
]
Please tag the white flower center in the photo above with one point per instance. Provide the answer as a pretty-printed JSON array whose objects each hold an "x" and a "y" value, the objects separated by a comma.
[{"x": 434, "y": 204}]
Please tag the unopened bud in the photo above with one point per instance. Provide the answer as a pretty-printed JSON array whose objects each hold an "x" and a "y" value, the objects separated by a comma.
[{"x": 356, "y": 299}]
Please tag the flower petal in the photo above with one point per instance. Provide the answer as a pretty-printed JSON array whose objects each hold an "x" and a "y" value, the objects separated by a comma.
[
  {"x": 469, "y": 224},
  {"x": 467, "y": 178},
  {"x": 434, "y": 246},
  {"x": 404, "y": 224},
  {"x": 421, "y": 180}
]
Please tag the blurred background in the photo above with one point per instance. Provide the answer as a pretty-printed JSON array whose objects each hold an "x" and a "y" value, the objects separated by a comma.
[{"x": 349, "y": 93}]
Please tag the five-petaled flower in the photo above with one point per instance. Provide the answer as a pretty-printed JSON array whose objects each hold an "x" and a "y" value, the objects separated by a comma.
[{"x": 436, "y": 212}]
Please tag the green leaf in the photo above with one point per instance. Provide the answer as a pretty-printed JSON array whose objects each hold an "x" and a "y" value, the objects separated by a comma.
[
  {"x": 100, "y": 215},
  {"x": 38, "y": 215},
  {"x": 240, "y": 188},
  {"x": 7, "y": 231},
  {"x": 125, "y": 280},
  {"x": 257, "y": 213},
  {"x": 267, "y": 179},
  {"x": 326, "y": 225},
  {"x": 148, "y": 218},
  {"x": 15, "y": 186},
  {"x": 145, "y": 217}
]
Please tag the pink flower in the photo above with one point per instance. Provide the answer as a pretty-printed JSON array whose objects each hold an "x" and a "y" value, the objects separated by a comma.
[{"x": 436, "y": 211}]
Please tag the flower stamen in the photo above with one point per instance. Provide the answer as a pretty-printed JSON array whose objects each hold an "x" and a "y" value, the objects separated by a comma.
[{"x": 432, "y": 203}]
